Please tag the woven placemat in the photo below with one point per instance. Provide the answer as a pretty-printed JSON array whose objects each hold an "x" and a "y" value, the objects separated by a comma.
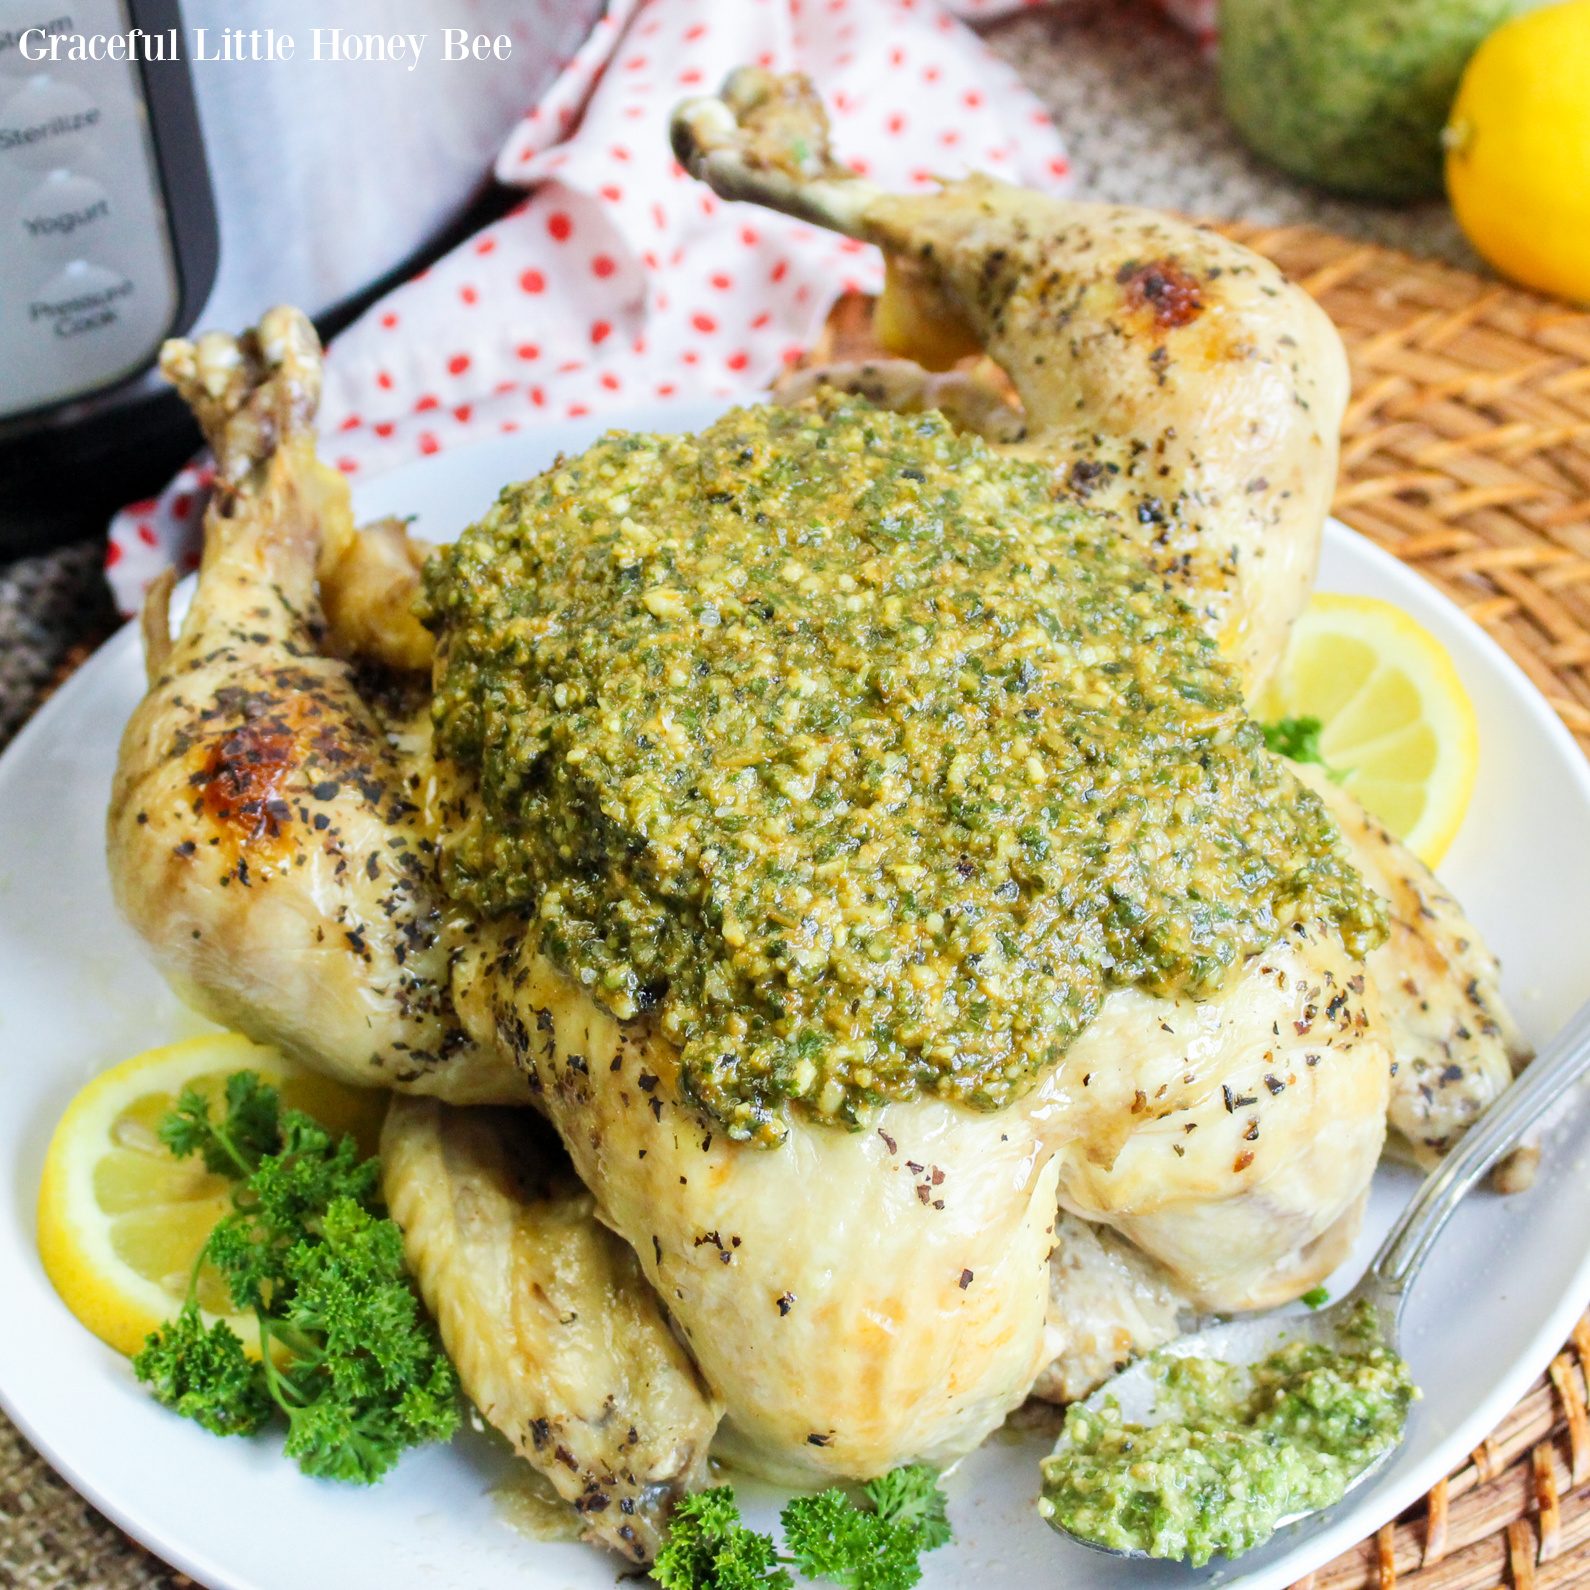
[{"x": 1518, "y": 1512}]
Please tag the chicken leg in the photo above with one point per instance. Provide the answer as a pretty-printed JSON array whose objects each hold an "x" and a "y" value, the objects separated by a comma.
[
  {"x": 262, "y": 834},
  {"x": 1175, "y": 380}
]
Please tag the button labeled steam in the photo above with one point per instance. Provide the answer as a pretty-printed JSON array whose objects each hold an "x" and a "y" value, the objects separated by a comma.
[{"x": 76, "y": 302}]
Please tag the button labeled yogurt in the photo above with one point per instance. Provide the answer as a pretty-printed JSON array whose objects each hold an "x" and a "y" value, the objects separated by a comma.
[{"x": 62, "y": 209}]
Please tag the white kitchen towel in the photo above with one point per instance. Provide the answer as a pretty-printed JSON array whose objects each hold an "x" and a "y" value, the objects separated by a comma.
[{"x": 620, "y": 281}]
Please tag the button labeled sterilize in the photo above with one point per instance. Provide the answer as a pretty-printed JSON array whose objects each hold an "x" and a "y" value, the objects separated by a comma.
[
  {"x": 45, "y": 120},
  {"x": 64, "y": 207},
  {"x": 79, "y": 301}
]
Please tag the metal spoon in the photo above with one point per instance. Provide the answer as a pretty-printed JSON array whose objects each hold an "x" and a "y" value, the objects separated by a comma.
[{"x": 1392, "y": 1271}]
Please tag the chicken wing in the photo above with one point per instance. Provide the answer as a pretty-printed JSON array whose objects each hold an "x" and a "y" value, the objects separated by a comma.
[
  {"x": 1455, "y": 1043},
  {"x": 368, "y": 580},
  {"x": 263, "y": 836},
  {"x": 1177, "y": 381},
  {"x": 556, "y": 1337}
]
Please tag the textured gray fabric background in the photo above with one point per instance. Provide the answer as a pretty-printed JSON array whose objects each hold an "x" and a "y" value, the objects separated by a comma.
[{"x": 1138, "y": 108}]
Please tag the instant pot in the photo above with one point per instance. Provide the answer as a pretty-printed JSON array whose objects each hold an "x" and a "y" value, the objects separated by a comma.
[{"x": 167, "y": 168}]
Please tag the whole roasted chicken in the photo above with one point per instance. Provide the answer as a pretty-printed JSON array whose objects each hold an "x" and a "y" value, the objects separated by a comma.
[{"x": 855, "y": 1241}]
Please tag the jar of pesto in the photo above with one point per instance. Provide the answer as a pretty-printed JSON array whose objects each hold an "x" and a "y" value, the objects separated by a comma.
[{"x": 1351, "y": 94}]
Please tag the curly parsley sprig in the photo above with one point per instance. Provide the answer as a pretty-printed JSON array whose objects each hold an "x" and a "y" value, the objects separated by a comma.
[
  {"x": 345, "y": 1353},
  {"x": 829, "y": 1537},
  {"x": 1298, "y": 740}
]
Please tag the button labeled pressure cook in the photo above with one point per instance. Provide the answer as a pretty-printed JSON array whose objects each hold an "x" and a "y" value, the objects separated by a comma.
[
  {"x": 63, "y": 206},
  {"x": 76, "y": 302},
  {"x": 46, "y": 119}
]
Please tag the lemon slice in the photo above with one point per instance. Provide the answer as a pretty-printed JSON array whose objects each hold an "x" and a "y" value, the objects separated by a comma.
[
  {"x": 122, "y": 1221},
  {"x": 1397, "y": 724}
]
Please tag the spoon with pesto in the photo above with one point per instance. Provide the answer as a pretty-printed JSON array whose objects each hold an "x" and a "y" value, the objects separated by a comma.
[{"x": 1213, "y": 1443}]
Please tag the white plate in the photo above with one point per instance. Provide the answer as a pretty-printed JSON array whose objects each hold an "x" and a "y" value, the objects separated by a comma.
[{"x": 76, "y": 994}]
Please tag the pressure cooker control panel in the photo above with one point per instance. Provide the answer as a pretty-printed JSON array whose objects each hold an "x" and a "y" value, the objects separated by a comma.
[{"x": 90, "y": 279}]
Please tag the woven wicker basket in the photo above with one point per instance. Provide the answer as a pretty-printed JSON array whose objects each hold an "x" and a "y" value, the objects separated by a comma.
[{"x": 1466, "y": 453}]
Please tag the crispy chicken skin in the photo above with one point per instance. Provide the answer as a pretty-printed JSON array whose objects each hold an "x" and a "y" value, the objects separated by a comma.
[
  {"x": 262, "y": 836},
  {"x": 1176, "y": 381},
  {"x": 556, "y": 1336}
]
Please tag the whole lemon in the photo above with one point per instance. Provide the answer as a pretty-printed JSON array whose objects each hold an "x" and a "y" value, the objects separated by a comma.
[{"x": 1518, "y": 150}]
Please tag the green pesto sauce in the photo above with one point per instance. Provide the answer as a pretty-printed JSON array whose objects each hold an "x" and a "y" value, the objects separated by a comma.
[
  {"x": 1351, "y": 94},
  {"x": 832, "y": 738},
  {"x": 1240, "y": 1449}
]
